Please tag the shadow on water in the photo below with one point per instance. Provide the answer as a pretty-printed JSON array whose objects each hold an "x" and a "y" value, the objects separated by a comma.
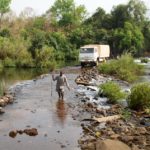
[{"x": 61, "y": 111}]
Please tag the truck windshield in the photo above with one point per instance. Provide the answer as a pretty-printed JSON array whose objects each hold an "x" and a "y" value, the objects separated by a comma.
[{"x": 87, "y": 50}]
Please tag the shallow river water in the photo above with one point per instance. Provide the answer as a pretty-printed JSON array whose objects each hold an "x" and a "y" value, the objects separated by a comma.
[{"x": 37, "y": 106}]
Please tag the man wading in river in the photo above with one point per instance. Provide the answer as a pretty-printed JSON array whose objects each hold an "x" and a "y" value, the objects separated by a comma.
[{"x": 61, "y": 82}]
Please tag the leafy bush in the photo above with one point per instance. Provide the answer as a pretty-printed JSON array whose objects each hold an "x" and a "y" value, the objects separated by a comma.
[
  {"x": 144, "y": 60},
  {"x": 112, "y": 91},
  {"x": 1, "y": 66},
  {"x": 45, "y": 57},
  {"x": 124, "y": 68},
  {"x": 139, "y": 99},
  {"x": 8, "y": 62}
]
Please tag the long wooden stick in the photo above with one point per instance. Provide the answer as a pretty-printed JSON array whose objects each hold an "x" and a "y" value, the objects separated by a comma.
[{"x": 51, "y": 87}]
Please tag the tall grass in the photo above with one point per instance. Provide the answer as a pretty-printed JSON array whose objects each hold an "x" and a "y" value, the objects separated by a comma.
[
  {"x": 139, "y": 99},
  {"x": 124, "y": 68},
  {"x": 112, "y": 91}
]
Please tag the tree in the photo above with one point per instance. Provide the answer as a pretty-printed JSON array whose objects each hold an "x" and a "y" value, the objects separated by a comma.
[
  {"x": 137, "y": 10},
  {"x": 4, "y": 7},
  {"x": 64, "y": 13},
  {"x": 97, "y": 18},
  {"x": 146, "y": 33},
  {"x": 119, "y": 16},
  {"x": 128, "y": 39}
]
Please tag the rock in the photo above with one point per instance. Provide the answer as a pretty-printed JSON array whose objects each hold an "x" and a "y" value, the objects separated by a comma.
[
  {"x": 89, "y": 146},
  {"x": 140, "y": 140},
  {"x": 2, "y": 102},
  {"x": 31, "y": 132},
  {"x": 20, "y": 131},
  {"x": 141, "y": 130},
  {"x": 126, "y": 139},
  {"x": 13, "y": 134},
  {"x": 135, "y": 147},
  {"x": 1, "y": 110},
  {"x": 111, "y": 145},
  {"x": 114, "y": 136},
  {"x": 6, "y": 100},
  {"x": 145, "y": 121}
]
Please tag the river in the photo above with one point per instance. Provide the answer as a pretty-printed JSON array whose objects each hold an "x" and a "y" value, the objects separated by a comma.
[
  {"x": 10, "y": 76},
  {"x": 37, "y": 106}
]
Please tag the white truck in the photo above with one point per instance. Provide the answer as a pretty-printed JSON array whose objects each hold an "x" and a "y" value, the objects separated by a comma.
[{"x": 93, "y": 54}]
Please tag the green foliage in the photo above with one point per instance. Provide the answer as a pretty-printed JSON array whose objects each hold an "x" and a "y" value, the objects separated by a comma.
[
  {"x": 137, "y": 10},
  {"x": 120, "y": 15},
  {"x": 6, "y": 48},
  {"x": 72, "y": 55},
  {"x": 128, "y": 39},
  {"x": 139, "y": 98},
  {"x": 59, "y": 41},
  {"x": 124, "y": 68},
  {"x": 64, "y": 13},
  {"x": 37, "y": 38},
  {"x": 4, "y": 6},
  {"x": 8, "y": 62},
  {"x": 126, "y": 114},
  {"x": 45, "y": 57},
  {"x": 112, "y": 91},
  {"x": 5, "y": 32},
  {"x": 144, "y": 60},
  {"x": 1, "y": 65},
  {"x": 64, "y": 29}
]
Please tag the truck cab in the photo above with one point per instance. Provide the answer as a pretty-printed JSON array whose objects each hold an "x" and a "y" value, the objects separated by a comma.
[
  {"x": 93, "y": 54},
  {"x": 88, "y": 55}
]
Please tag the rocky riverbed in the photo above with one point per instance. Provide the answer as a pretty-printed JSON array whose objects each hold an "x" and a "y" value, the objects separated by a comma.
[
  {"x": 84, "y": 120},
  {"x": 100, "y": 127}
]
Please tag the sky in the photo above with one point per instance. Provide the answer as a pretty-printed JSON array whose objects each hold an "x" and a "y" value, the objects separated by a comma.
[{"x": 40, "y": 6}]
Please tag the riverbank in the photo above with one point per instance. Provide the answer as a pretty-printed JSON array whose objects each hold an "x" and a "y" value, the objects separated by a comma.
[{"x": 102, "y": 121}]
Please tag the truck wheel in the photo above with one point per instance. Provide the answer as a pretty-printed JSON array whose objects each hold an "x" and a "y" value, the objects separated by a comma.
[{"x": 82, "y": 64}]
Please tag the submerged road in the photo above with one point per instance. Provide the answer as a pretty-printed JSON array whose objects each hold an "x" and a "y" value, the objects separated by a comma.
[{"x": 35, "y": 107}]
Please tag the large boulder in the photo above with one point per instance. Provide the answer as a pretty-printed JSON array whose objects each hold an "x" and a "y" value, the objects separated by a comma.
[{"x": 111, "y": 145}]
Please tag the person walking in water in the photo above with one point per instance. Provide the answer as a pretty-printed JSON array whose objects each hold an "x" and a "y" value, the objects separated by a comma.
[{"x": 61, "y": 81}]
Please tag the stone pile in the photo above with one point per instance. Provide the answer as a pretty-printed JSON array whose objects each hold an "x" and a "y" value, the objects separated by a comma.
[
  {"x": 129, "y": 131},
  {"x": 5, "y": 100},
  {"x": 87, "y": 75},
  {"x": 30, "y": 132}
]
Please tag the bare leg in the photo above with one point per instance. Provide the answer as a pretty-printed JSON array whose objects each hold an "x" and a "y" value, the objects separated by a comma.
[
  {"x": 59, "y": 94},
  {"x": 62, "y": 95}
]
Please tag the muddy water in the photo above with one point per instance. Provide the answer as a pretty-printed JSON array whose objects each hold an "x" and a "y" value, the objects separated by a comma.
[{"x": 37, "y": 106}]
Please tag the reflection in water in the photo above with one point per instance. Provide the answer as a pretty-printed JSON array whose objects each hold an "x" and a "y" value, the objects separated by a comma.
[{"x": 61, "y": 110}]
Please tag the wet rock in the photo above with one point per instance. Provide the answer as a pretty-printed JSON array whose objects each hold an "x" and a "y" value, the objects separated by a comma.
[
  {"x": 145, "y": 121},
  {"x": 140, "y": 140},
  {"x": 2, "y": 102},
  {"x": 13, "y": 134},
  {"x": 135, "y": 147},
  {"x": 111, "y": 145},
  {"x": 114, "y": 136},
  {"x": 89, "y": 146},
  {"x": 126, "y": 139},
  {"x": 20, "y": 131},
  {"x": 141, "y": 130},
  {"x": 31, "y": 132},
  {"x": 1, "y": 110},
  {"x": 63, "y": 146}
]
